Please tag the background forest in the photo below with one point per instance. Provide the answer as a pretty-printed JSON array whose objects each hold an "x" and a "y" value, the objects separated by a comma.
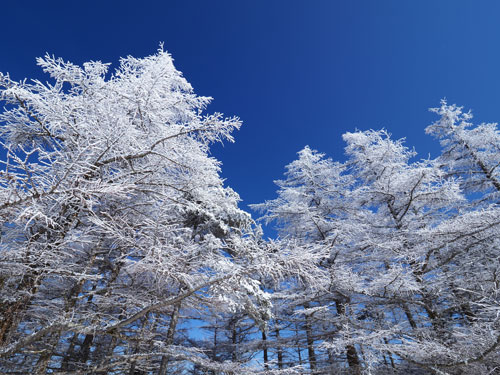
[{"x": 123, "y": 252}]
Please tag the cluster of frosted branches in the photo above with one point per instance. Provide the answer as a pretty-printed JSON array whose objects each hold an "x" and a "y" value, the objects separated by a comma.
[
  {"x": 411, "y": 252},
  {"x": 117, "y": 230},
  {"x": 122, "y": 252}
]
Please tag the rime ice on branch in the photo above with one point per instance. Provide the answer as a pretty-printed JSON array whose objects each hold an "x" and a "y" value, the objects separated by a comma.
[
  {"x": 117, "y": 231},
  {"x": 122, "y": 252}
]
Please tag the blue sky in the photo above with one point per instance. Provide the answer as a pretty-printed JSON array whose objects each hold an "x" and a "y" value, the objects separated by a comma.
[{"x": 296, "y": 72}]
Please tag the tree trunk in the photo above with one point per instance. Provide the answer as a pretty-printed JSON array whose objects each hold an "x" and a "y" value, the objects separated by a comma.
[
  {"x": 352, "y": 355},
  {"x": 279, "y": 350},
  {"x": 264, "y": 350},
  {"x": 170, "y": 338},
  {"x": 310, "y": 341}
]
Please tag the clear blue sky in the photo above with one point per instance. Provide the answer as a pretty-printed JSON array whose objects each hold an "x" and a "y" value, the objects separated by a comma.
[{"x": 296, "y": 72}]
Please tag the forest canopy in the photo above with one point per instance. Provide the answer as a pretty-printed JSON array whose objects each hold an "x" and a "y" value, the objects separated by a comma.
[{"x": 123, "y": 252}]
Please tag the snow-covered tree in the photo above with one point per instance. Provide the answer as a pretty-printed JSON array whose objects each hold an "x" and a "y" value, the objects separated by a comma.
[
  {"x": 122, "y": 252},
  {"x": 412, "y": 282},
  {"x": 117, "y": 229},
  {"x": 472, "y": 153}
]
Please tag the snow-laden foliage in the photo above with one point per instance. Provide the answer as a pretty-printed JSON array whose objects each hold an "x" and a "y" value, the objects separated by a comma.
[
  {"x": 117, "y": 229},
  {"x": 122, "y": 252},
  {"x": 412, "y": 261},
  {"x": 471, "y": 152}
]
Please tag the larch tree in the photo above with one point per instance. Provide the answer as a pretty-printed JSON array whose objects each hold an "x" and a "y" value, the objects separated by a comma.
[
  {"x": 411, "y": 256},
  {"x": 313, "y": 205},
  {"x": 117, "y": 231}
]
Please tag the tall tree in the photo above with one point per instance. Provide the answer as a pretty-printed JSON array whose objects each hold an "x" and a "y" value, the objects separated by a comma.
[
  {"x": 412, "y": 285},
  {"x": 116, "y": 222}
]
